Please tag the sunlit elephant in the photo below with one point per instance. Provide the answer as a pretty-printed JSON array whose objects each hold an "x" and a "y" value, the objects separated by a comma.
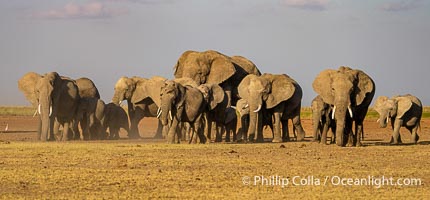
[
  {"x": 143, "y": 98},
  {"x": 404, "y": 111},
  {"x": 215, "y": 68},
  {"x": 56, "y": 99},
  {"x": 242, "y": 112},
  {"x": 281, "y": 96},
  {"x": 322, "y": 120},
  {"x": 350, "y": 92},
  {"x": 182, "y": 104}
]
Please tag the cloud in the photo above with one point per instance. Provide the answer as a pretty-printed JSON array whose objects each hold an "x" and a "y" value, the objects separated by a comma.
[
  {"x": 148, "y": 2},
  {"x": 93, "y": 10},
  {"x": 403, "y": 5},
  {"x": 314, "y": 5}
]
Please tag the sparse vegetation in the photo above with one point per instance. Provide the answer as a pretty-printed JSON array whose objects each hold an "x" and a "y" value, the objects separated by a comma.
[{"x": 17, "y": 111}]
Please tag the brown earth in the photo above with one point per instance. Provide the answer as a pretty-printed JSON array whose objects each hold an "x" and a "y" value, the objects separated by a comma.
[{"x": 149, "y": 168}]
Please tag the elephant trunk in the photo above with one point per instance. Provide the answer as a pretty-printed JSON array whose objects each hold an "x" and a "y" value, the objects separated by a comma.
[
  {"x": 340, "y": 116},
  {"x": 117, "y": 99},
  {"x": 383, "y": 120},
  {"x": 45, "y": 110},
  {"x": 166, "y": 113},
  {"x": 316, "y": 121}
]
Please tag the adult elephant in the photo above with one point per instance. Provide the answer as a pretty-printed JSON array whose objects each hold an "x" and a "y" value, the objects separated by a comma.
[
  {"x": 56, "y": 99},
  {"x": 281, "y": 96},
  {"x": 215, "y": 68},
  {"x": 322, "y": 120},
  {"x": 404, "y": 111},
  {"x": 182, "y": 104},
  {"x": 349, "y": 91},
  {"x": 87, "y": 89},
  {"x": 143, "y": 98}
]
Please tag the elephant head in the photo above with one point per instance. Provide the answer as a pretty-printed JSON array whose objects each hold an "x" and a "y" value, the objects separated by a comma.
[
  {"x": 213, "y": 94},
  {"x": 172, "y": 101},
  {"x": 345, "y": 89},
  {"x": 136, "y": 89},
  {"x": 391, "y": 108},
  {"x": 267, "y": 90}
]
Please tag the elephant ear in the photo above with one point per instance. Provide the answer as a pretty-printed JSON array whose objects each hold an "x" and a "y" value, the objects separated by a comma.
[
  {"x": 140, "y": 93},
  {"x": 243, "y": 86},
  {"x": 216, "y": 96},
  {"x": 322, "y": 85},
  {"x": 26, "y": 85},
  {"x": 180, "y": 99},
  {"x": 153, "y": 88},
  {"x": 403, "y": 106},
  {"x": 365, "y": 85},
  {"x": 282, "y": 89},
  {"x": 221, "y": 67}
]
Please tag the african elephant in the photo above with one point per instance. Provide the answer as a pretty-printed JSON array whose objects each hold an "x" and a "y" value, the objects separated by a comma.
[
  {"x": 100, "y": 117},
  {"x": 281, "y": 96},
  {"x": 92, "y": 110},
  {"x": 348, "y": 91},
  {"x": 182, "y": 104},
  {"x": 215, "y": 68},
  {"x": 322, "y": 120},
  {"x": 143, "y": 98},
  {"x": 242, "y": 109},
  {"x": 57, "y": 101},
  {"x": 87, "y": 89},
  {"x": 218, "y": 112},
  {"x": 404, "y": 111}
]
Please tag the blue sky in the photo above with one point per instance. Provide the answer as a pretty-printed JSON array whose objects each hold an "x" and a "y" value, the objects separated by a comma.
[{"x": 106, "y": 39}]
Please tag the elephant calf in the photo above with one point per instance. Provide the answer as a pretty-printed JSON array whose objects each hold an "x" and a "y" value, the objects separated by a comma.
[
  {"x": 99, "y": 117},
  {"x": 404, "y": 111},
  {"x": 322, "y": 120}
]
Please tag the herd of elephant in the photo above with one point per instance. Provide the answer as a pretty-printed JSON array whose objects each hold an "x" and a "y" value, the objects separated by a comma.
[{"x": 210, "y": 94}]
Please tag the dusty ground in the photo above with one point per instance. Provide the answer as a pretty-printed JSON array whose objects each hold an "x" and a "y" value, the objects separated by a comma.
[{"x": 150, "y": 168}]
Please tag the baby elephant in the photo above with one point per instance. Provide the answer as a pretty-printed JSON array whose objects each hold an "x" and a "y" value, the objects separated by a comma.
[
  {"x": 404, "y": 111},
  {"x": 98, "y": 117},
  {"x": 322, "y": 120}
]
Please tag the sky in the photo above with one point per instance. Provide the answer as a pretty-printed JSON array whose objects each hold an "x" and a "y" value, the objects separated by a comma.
[{"x": 106, "y": 39}]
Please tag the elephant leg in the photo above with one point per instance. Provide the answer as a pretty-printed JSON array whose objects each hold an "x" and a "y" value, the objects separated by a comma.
[
  {"x": 324, "y": 133},
  {"x": 172, "y": 131},
  {"x": 396, "y": 132},
  {"x": 285, "y": 131},
  {"x": 219, "y": 132},
  {"x": 159, "y": 133},
  {"x": 84, "y": 124},
  {"x": 277, "y": 127},
  {"x": 55, "y": 130},
  {"x": 260, "y": 137},
  {"x": 414, "y": 134},
  {"x": 65, "y": 131},
  {"x": 227, "y": 131},
  {"x": 199, "y": 130},
  {"x": 298, "y": 126},
  {"x": 358, "y": 133},
  {"x": 39, "y": 130}
]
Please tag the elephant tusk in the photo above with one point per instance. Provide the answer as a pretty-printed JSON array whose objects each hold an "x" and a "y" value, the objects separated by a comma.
[
  {"x": 38, "y": 109},
  {"x": 120, "y": 102},
  {"x": 35, "y": 113},
  {"x": 170, "y": 115},
  {"x": 258, "y": 109},
  {"x": 388, "y": 118},
  {"x": 350, "y": 111},
  {"x": 246, "y": 106},
  {"x": 332, "y": 114},
  {"x": 159, "y": 113},
  {"x": 50, "y": 110},
  {"x": 377, "y": 121},
  {"x": 234, "y": 107}
]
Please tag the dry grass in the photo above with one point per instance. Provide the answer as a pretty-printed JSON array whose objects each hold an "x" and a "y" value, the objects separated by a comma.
[{"x": 135, "y": 170}]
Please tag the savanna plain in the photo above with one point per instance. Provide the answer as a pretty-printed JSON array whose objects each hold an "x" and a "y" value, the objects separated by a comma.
[{"x": 150, "y": 168}]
